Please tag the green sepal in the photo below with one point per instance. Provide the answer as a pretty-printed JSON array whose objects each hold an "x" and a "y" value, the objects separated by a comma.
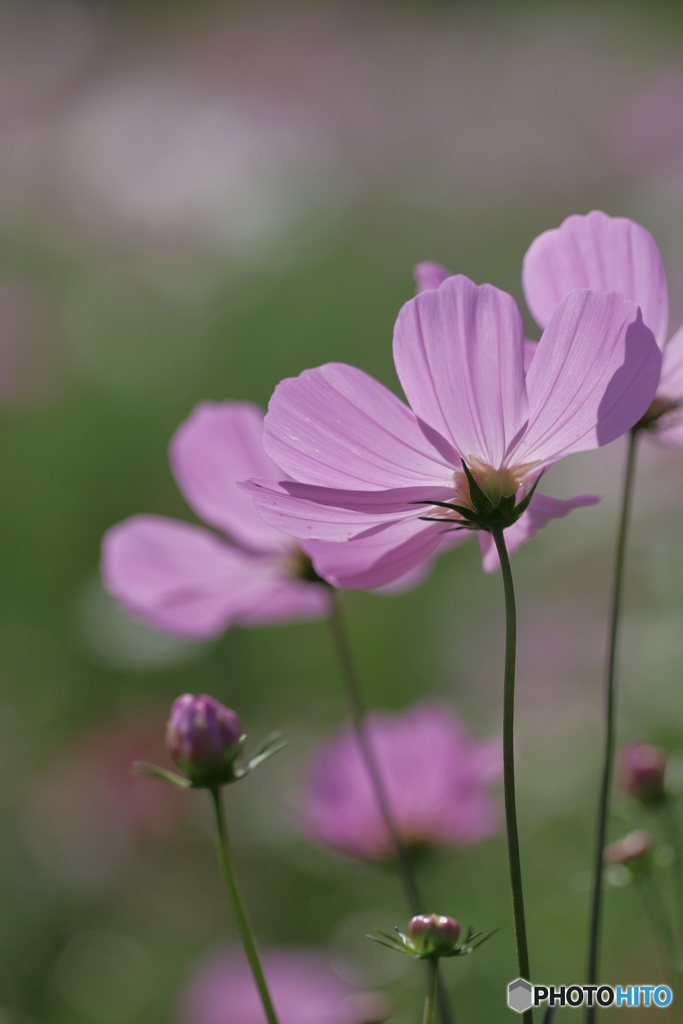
[
  {"x": 524, "y": 503},
  {"x": 271, "y": 745},
  {"x": 481, "y": 501},
  {"x": 152, "y": 771}
]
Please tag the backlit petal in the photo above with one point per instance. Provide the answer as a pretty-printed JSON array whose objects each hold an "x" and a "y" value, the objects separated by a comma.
[{"x": 609, "y": 254}]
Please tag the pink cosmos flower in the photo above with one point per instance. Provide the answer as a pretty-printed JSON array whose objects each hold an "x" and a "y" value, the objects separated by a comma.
[
  {"x": 184, "y": 579},
  {"x": 437, "y": 779},
  {"x": 612, "y": 254},
  {"x": 367, "y": 467},
  {"x": 303, "y": 987}
]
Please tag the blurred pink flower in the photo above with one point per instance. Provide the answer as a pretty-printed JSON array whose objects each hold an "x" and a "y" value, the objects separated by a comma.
[
  {"x": 613, "y": 254},
  {"x": 367, "y": 468},
  {"x": 303, "y": 987},
  {"x": 88, "y": 814},
  {"x": 437, "y": 779},
  {"x": 185, "y": 580}
]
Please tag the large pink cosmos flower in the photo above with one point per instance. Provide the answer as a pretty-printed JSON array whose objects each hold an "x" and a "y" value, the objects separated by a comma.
[
  {"x": 303, "y": 987},
  {"x": 184, "y": 579},
  {"x": 437, "y": 779},
  {"x": 612, "y": 254},
  {"x": 367, "y": 467}
]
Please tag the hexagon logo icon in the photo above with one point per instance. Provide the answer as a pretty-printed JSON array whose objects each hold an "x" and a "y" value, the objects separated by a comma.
[{"x": 520, "y": 996}]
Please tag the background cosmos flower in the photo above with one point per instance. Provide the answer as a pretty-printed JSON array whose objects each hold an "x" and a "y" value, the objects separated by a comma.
[
  {"x": 184, "y": 579},
  {"x": 303, "y": 987},
  {"x": 437, "y": 778},
  {"x": 366, "y": 467}
]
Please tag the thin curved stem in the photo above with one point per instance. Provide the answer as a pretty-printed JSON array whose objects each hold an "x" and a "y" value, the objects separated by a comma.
[
  {"x": 610, "y": 718},
  {"x": 357, "y": 708},
  {"x": 237, "y": 908},
  {"x": 509, "y": 759}
]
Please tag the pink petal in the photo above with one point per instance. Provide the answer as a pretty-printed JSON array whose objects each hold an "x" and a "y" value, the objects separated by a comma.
[
  {"x": 669, "y": 429},
  {"x": 379, "y": 556},
  {"x": 337, "y": 427},
  {"x": 182, "y": 580},
  {"x": 326, "y": 514},
  {"x": 542, "y": 508},
  {"x": 459, "y": 356},
  {"x": 219, "y": 444},
  {"x": 593, "y": 376},
  {"x": 287, "y": 600},
  {"x": 608, "y": 254},
  {"x": 429, "y": 276}
]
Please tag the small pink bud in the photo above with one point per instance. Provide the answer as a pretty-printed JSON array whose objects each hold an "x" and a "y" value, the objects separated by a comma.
[
  {"x": 433, "y": 933},
  {"x": 631, "y": 849},
  {"x": 203, "y": 739},
  {"x": 642, "y": 772}
]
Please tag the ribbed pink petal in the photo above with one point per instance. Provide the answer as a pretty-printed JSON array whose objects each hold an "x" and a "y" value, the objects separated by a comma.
[
  {"x": 459, "y": 354},
  {"x": 217, "y": 445},
  {"x": 429, "y": 276},
  {"x": 337, "y": 427},
  {"x": 182, "y": 580},
  {"x": 380, "y": 555},
  {"x": 542, "y": 508},
  {"x": 609, "y": 254},
  {"x": 593, "y": 376},
  {"x": 320, "y": 513}
]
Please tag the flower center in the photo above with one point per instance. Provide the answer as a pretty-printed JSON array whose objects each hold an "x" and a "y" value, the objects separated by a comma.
[{"x": 495, "y": 483}]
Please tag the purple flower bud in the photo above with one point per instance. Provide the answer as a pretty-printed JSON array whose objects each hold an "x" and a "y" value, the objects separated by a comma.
[
  {"x": 433, "y": 933},
  {"x": 203, "y": 739},
  {"x": 632, "y": 849},
  {"x": 642, "y": 772}
]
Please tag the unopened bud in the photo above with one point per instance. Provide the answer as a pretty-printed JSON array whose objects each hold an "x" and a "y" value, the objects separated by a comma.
[
  {"x": 433, "y": 933},
  {"x": 642, "y": 772},
  {"x": 203, "y": 739},
  {"x": 632, "y": 849}
]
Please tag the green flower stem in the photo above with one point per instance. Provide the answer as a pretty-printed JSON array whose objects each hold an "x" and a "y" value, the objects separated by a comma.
[
  {"x": 356, "y": 703},
  {"x": 509, "y": 759},
  {"x": 610, "y": 717},
  {"x": 430, "y": 1000},
  {"x": 237, "y": 908}
]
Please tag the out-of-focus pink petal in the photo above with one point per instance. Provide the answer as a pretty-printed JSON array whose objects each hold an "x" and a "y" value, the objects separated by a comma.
[
  {"x": 671, "y": 380},
  {"x": 327, "y": 514},
  {"x": 303, "y": 986},
  {"x": 542, "y": 508},
  {"x": 379, "y": 556},
  {"x": 429, "y": 276},
  {"x": 459, "y": 354},
  {"x": 181, "y": 579},
  {"x": 286, "y": 600},
  {"x": 608, "y": 254},
  {"x": 337, "y": 427},
  {"x": 217, "y": 445},
  {"x": 436, "y": 778},
  {"x": 593, "y": 376}
]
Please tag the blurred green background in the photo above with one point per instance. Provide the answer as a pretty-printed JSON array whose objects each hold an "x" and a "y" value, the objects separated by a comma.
[{"x": 197, "y": 200}]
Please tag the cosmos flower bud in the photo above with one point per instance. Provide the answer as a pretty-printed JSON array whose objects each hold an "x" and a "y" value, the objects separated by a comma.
[
  {"x": 631, "y": 850},
  {"x": 642, "y": 772},
  {"x": 203, "y": 738},
  {"x": 433, "y": 933}
]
